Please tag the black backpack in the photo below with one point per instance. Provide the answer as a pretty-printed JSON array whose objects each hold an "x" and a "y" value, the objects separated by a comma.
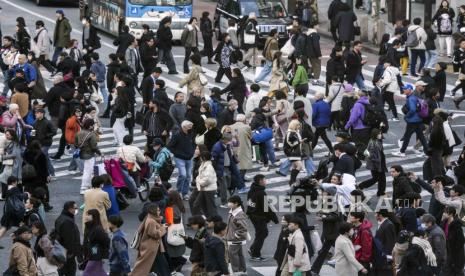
[
  {"x": 14, "y": 207},
  {"x": 372, "y": 117},
  {"x": 166, "y": 170}
]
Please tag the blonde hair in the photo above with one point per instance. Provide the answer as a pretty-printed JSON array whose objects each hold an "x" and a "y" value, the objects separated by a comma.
[
  {"x": 210, "y": 122},
  {"x": 13, "y": 106},
  {"x": 294, "y": 125}
]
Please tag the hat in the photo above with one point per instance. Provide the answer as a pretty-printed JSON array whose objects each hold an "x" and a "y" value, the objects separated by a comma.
[
  {"x": 22, "y": 229},
  {"x": 157, "y": 142},
  {"x": 3, "y": 99},
  {"x": 60, "y": 12},
  {"x": 408, "y": 86},
  {"x": 331, "y": 190},
  {"x": 348, "y": 87},
  {"x": 421, "y": 83},
  {"x": 343, "y": 135},
  {"x": 41, "y": 110}
]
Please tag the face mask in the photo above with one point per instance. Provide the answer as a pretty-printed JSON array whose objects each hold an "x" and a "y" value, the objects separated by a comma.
[
  {"x": 423, "y": 226},
  {"x": 230, "y": 205},
  {"x": 76, "y": 212},
  {"x": 189, "y": 131}
]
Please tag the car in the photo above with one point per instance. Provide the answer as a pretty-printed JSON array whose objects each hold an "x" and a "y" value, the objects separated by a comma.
[{"x": 270, "y": 14}]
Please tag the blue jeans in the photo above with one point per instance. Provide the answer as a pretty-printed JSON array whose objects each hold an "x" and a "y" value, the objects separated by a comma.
[
  {"x": 413, "y": 60},
  {"x": 431, "y": 58},
  {"x": 265, "y": 71},
  {"x": 185, "y": 175},
  {"x": 103, "y": 88},
  {"x": 56, "y": 53},
  {"x": 286, "y": 166},
  {"x": 51, "y": 169},
  {"x": 359, "y": 81},
  {"x": 270, "y": 150}
]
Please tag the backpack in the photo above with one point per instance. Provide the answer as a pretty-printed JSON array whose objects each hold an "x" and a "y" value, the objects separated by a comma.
[
  {"x": 412, "y": 39},
  {"x": 346, "y": 105},
  {"x": 372, "y": 116},
  {"x": 379, "y": 257},
  {"x": 445, "y": 25},
  {"x": 14, "y": 206},
  {"x": 423, "y": 109}
]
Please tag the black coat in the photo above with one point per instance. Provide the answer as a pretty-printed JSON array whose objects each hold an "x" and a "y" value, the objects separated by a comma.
[
  {"x": 335, "y": 67},
  {"x": 196, "y": 246},
  {"x": 164, "y": 37},
  {"x": 96, "y": 244},
  {"x": 393, "y": 56},
  {"x": 344, "y": 22},
  {"x": 206, "y": 27},
  {"x": 331, "y": 223},
  {"x": 334, "y": 8},
  {"x": 147, "y": 56},
  {"x": 256, "y": 204},
  {"x": 299, "y": 47},
  {"x": 225, "y": 118},
  {"x": 312, "y": 45},
  {"x": 39, "y": 161},
  {"x": 123, "y": 41},
  {"x": 52, "y": 99},
  {"x": 400, "y": 186},
  {"x": 93, "y": 40},
  {"x": 211, "y": 137},
  {"x": 414, "y": 263},
  {"x": 68, "y": 233},
  {"x": 195, "y": 117},
  {"x": 236, "y": 87},
  {"x": 354, "y": 66},
  {"x": 112, "y": 69},
  {"x": 387, "y": 235},
  {"x": 282, "y": 246},
  {"x": 147, "y": 87},
  {"x": 455, "y": 244},
  {"x": 345, "y": 164},
  {"x": 441, "y": 83},
  {"x": 163, "y": 122}
]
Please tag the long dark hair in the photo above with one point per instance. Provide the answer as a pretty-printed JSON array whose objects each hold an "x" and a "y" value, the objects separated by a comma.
[
  {"x": 96, "y": 221},
  {"x": 174, "y": 199}
]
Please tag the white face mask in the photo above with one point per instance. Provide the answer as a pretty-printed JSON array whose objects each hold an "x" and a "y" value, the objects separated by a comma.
[
  {"x": 231, "y": 205},
  {"x": 84, "y": 22},
  {"x": 76, "y": 212},
  {"x": 423, "y": 226}
]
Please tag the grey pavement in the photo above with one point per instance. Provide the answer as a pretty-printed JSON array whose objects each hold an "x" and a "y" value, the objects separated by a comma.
[{"x": 66, "y": 186}]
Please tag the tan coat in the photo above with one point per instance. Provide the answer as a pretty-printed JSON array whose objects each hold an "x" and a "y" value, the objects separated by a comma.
[
  {"x": 244, "y": 151},
  {"x": 22, "y": 258},
  {"x": 22, "y": 100},
  {"x": 277, "y": 77},
  {"x": 97, "y": 199},
  {"x": 192, "y": 79},
  {"x": 344, "y": 254},
  {"x": 301, "y": 259},
  {"x": 152, "y": 233}
]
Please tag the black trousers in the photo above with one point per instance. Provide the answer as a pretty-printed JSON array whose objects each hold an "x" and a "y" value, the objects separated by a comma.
[
  {"x": 46, "y": 63},
  {"x": 261, "y": 232},
  {"x": 321, "y": 131},
  {"x": 336, "y": 121},
  {"x": 376, "y": 177},
  {"x": 204, "y": 203},
  {"x": 62, "y": 145},
  {"x": 416, "y": 128},
  {"x": 189, "y": 51},
  {"x": 389, "y": 98},
  {"x": 320, "y": 259},
  {"x": 207, "y": 46},
  {"x": 69, "y": 269},
  {"x": 361, "y": 137},
  {"x": 223, "y": 71}
]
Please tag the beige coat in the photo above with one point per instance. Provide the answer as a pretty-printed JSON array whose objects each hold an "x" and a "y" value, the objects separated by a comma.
[
  {"x": 344, "y": 254},
  {"x": 152, "y": 233},
  {"x": 206, "y": 179},
  {"x": 277, "y": 77},
  {"x": 22, "y": 258},
  {"x": 301, "y": 259},
  {"x": 192, "y": 79},
  {"x": 244, "y": 151},
  {"x": 98, "y": 199}
]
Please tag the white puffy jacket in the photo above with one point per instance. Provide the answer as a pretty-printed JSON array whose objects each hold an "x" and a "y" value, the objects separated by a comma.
[{"x": 206, "y": 180}]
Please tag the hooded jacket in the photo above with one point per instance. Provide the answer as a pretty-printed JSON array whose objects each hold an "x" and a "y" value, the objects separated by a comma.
[
  {"x": 421, "y": 35},
  {"x": 357, "y": 114},
  {"x": 363, "y": 238},
  {"x": 215, "y": 255},
  {"x": 256, "y": 204}
]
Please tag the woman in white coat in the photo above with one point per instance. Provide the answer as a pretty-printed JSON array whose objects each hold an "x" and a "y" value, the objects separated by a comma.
[
  {"x": 206, "y": 185},
  {"x": 344, "y": 253},
  {"x": 334, "y": 98},
  {"x": 390, "y": 85},
  {"x": 296, "y": 257}
]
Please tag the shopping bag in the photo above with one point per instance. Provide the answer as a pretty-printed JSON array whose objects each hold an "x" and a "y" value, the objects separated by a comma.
[
  {"x": 262, "y": 135},
  {"x": 316, "y": 240}
]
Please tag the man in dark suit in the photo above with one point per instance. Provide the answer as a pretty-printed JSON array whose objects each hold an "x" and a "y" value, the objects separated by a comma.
[
  {"x": 386, "y": 235},
  {"x": 147, "y": 86},
  {"x": 344, "y": 163}
]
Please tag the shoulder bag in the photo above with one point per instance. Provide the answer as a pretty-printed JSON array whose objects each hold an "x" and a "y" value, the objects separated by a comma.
[{"x": 77, "y": 151}]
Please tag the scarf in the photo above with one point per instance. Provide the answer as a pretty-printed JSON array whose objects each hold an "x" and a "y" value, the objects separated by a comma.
[{"x": 427, "y": 249}]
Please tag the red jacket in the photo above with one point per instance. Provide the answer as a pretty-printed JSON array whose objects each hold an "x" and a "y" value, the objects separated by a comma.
[{"x": 363, "y": 238}]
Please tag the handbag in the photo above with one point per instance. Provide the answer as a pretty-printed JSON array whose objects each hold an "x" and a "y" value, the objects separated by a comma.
[
  {"x": 288, "y": 49},
  {"x": 262, "y": 135},
  {"x": 249, "y": 38},
  {"x": 135, "y": 243},
  {"x": 203, "y": 79},
  {"x": 121, "y": 200},
  {"x": 140, "y": 115},
  {"x": 357, "y": 30},
  {"x": 200, "y": 139}
]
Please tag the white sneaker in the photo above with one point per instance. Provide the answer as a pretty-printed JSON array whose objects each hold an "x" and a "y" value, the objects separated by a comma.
[
  {"x": 394, "y": 120},
  {"x": 398, "y": 154},
  {"x": 142, "y": 189},
  {"x": 421, "y": 155},
  {"x": 264, "y": 169}
]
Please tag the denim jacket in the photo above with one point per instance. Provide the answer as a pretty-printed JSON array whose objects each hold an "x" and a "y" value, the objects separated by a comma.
[{"x": 119, "y": 255}]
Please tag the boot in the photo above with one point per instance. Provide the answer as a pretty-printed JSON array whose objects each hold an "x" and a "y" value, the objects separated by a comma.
[{"x": 294, "y": 174}]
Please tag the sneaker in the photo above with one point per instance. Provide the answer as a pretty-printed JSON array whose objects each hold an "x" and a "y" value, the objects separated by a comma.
[
  {"x": 243, "y": 190},
  {"x": 416, "y": 151},
  {"x": 142, "y": 189},
  {"x": 185, "y": 198},
  {"x": 278, "y": 172},
  {"x": 398, "y": 154},
  {"x": 394, "y": 119},
  {"x": 224, "y": 206},
  {"x": 258, "y": 259},
  {"x": 264, "y": 168}
]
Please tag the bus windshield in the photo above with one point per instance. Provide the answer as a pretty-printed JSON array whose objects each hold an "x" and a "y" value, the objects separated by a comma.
[
  {"x": 161, "y": 2},
  {"x": 262, "y": 8}
]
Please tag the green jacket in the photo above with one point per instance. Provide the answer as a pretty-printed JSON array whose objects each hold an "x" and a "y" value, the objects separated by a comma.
[
  {"x": 300, "y": 76},
  {"x": 87, "y": 143},
  {"x": 62, "y": 33}
]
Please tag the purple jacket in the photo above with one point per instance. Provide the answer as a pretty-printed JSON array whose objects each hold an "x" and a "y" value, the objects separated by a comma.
[{"x": 356, "y": 114}]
